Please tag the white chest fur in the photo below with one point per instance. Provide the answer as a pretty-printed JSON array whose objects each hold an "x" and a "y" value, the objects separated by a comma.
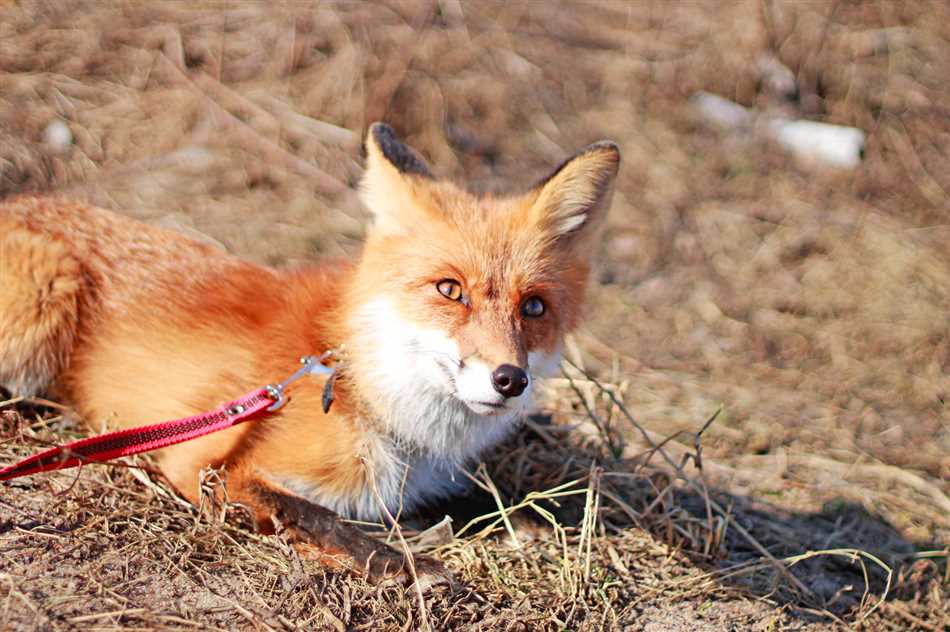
[{"x": 398, "y": 476}]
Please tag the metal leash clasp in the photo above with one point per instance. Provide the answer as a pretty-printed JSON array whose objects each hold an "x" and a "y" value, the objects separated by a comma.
[{"x": 312, "y": 365}]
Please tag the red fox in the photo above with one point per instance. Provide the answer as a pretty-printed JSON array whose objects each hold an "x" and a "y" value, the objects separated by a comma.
[{"x": 456, "y": 306}]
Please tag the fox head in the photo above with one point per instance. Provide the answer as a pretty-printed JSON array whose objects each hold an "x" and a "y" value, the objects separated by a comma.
[{"x": 461, "y": 301}]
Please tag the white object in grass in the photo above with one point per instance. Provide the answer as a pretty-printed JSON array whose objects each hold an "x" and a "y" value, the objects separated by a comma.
[
  {"x": 834, "y": 145},
  {"x": 722, "y": 112},
  {"x": 57, "y": 136}
]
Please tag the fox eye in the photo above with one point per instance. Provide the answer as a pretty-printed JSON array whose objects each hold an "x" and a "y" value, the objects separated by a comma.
[
  {"x": 450, "y": 289},
  {"x": 532, "y": 307}
]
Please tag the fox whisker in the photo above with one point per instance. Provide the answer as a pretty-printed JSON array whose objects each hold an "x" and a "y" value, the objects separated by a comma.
[{"x": 452, "y": 359}]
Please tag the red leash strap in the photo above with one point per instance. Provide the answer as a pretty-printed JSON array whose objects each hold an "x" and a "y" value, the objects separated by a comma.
[
  {"x": 144, "y": 438},
  {"x": 134, "y": 440}
]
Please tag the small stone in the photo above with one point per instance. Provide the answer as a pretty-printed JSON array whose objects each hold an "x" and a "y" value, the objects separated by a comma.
[
  {"x": 721, "y": 112},
  {"x": 57, "y": 137},
  {"x": 834, "y": 145}
]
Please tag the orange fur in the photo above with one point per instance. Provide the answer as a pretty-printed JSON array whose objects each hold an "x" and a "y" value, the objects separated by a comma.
[{"x": 133, "y": 325}]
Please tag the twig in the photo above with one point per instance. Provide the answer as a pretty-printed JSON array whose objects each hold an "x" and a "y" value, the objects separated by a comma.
[
  {"x": 407, "y": 552},
  {"x": 591, "y": 508},
  {"x": 851, "y": 554},
  {"x": 11, "y": 401},
  {"x": 615, "y": 450},
  {"x": 488, "y": 485},
  {"x": 559, "y": 491},
  {"x": 103, "y": 615},
  {"x": 39, "y": 401},
  {"x": 698, "y": 489}
]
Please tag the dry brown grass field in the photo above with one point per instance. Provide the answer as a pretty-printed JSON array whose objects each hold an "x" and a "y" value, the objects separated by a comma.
[{"x": 807, "y": 305}]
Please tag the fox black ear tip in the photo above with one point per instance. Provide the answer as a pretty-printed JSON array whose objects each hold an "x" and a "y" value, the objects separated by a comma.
[
  {"x": 382, "y": 139},
  {"x": 379, "y": 130},
  {"x": 607, "y": 146}
]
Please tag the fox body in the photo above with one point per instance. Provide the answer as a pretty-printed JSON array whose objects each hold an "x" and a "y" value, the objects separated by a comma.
[{"x": 456, "y": 306}]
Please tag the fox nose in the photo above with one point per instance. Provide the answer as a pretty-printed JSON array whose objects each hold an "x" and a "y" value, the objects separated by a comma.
[{"x": 509, "y": 380}]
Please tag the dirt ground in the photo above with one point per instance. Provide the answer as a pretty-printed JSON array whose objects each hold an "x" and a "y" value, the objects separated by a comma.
[{"x": 808, "y": 305}]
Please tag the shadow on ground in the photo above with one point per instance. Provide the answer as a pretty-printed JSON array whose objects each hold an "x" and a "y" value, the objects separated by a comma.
[{"x": 837, "y": 564}]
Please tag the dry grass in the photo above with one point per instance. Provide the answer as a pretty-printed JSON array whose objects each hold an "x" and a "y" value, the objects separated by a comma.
[{"x": 807, "y": 307}]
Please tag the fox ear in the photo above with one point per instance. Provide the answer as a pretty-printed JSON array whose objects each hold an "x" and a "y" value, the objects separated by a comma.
[
  {"x": 393, "y": 171},
  {"x": 573, "y": 200}
]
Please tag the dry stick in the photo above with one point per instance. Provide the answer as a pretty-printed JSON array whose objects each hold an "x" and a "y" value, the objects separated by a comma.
[
  {"x": 158, "y": 490},
  {"x": 560, "y": 537},
  {"x": 39, "y": 401},
  {"x": 588, "y": 524},
  {"x": 423, "y": 612},
  {"x": 657, "y": 441},
  {"x": 853, "y": 554},
  {"x": 11, "y": 402},
  {"x": 488, "y": 485},
  {"x": 698, "y": 489},
  {"x": 697, "y": 456},
  {"x": 173, "y": 619},
  {"x": 624, "y": 507},
  {"x": 600, "y": 424},
  {"x": 559, "y": 491},
  {"x": 103, "y": 615},
  {"x": 324, "y": 182}
]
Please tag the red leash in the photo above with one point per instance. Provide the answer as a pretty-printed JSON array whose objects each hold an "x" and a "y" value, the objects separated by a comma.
[{"x": 152, "y": 437}]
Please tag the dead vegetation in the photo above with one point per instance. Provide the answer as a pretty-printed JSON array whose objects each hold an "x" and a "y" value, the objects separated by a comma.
[{"x": 807, "y": 307}]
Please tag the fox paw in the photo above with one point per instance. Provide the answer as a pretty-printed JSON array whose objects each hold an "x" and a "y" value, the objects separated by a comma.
[
  {"x": 392, "y": 565},
  {"x": 383, "y": 564},
  {"x": 320, "y": 534}
]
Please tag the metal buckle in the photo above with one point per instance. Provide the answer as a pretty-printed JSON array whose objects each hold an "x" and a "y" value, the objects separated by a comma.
[{"x": 312, "y": 365}]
